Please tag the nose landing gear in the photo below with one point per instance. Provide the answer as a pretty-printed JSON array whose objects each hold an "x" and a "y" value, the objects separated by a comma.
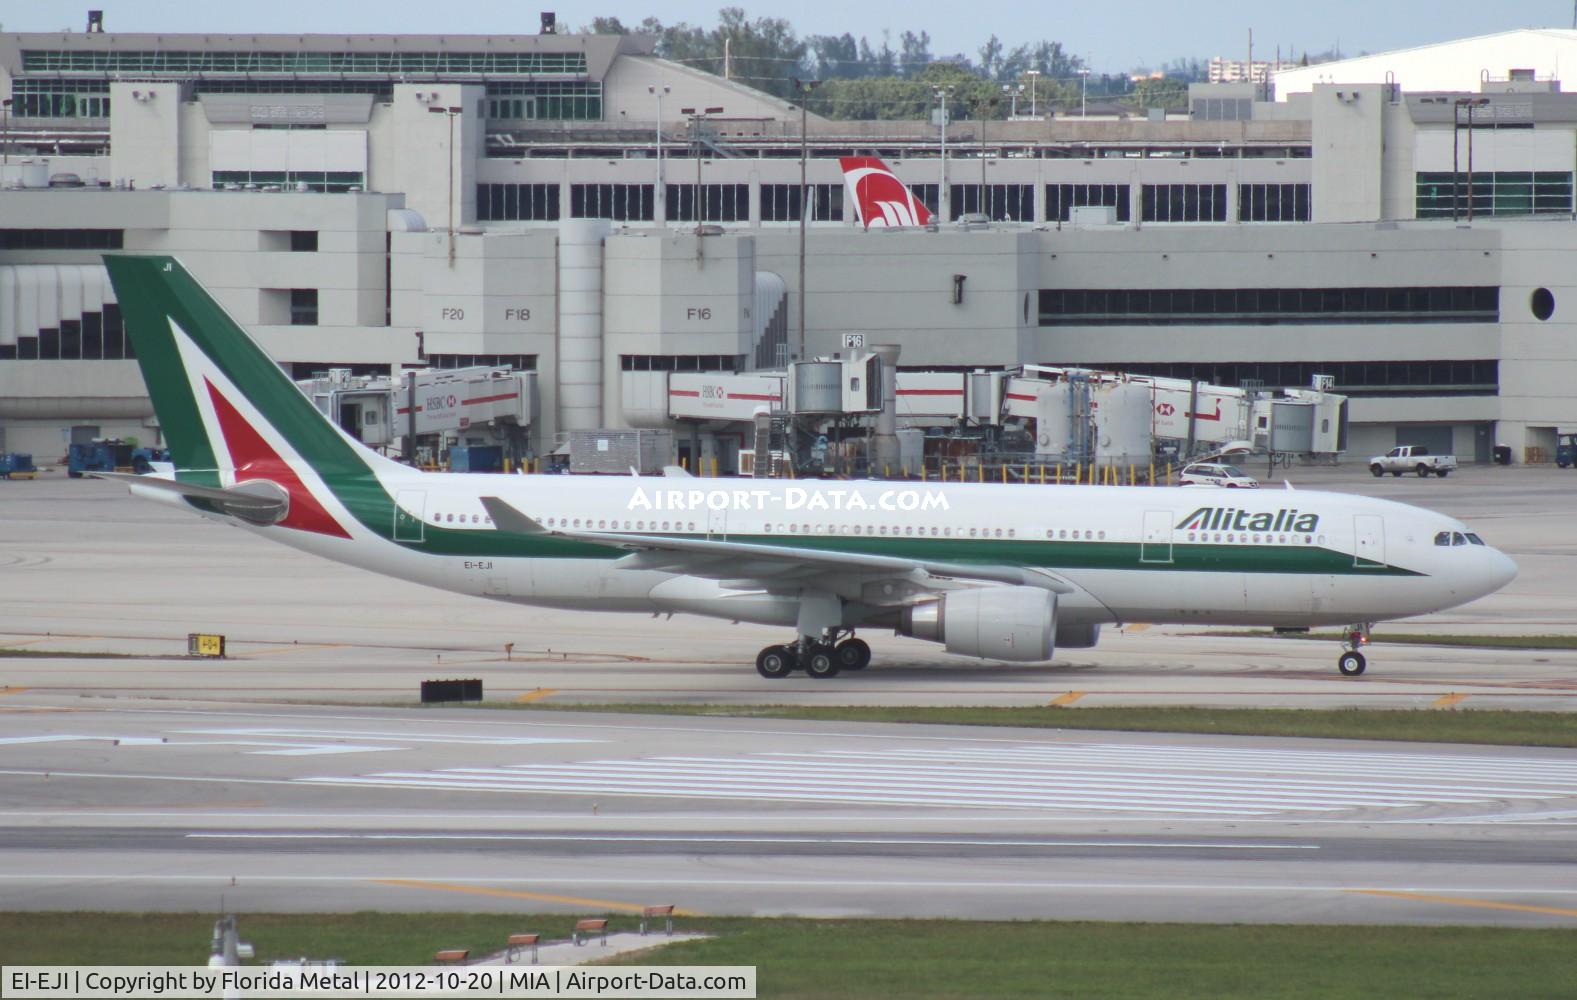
[{"x": 1352, "y": 663}]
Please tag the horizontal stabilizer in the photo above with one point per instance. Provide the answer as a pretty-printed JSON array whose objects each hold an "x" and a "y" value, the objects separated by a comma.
[{"x": 255, "y": 502}]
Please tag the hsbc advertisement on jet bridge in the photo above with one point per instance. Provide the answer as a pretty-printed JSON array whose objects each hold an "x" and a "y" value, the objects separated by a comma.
[{"x": 438, "y": 402}]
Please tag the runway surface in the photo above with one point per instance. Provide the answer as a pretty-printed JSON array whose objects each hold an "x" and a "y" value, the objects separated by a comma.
[
  {"x": 159, "y": 782},
  {"x": 303, "y": 808}
]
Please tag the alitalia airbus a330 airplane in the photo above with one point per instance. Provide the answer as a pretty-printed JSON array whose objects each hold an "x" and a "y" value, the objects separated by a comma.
[{"x": 1006, "y": 572}]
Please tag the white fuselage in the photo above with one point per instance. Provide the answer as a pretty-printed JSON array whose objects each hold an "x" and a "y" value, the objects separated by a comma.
[{"x": 1255, "y": 558}]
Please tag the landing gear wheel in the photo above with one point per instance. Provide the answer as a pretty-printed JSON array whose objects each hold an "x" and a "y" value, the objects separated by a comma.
[
  {"x": 775, "y": 662},
  {"x": 1351, "y": 664},
  {"x": 853, "y": 654},
  {"x": 822, "y": 663}
]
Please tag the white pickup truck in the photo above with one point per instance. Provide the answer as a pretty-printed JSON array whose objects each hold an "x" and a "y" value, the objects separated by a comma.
[{"x": 1412, "y": 458}]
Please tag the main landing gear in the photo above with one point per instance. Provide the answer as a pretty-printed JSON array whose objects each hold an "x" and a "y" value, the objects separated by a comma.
[
  {"x": 821, "y": 660},
  {"x": 1351, "y": 663}
]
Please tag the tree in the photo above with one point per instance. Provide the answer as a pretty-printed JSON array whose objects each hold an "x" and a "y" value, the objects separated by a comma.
[
  {"x": 914, "y": 52},
  {"x": 991, "y": 58}
]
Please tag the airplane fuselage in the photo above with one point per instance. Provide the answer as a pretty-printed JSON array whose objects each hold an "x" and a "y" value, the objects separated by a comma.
[{"x": 1122, "y": 554}]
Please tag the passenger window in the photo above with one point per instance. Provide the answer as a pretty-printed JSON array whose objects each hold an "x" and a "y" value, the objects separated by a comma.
[{"x": 1443, "y": 538}]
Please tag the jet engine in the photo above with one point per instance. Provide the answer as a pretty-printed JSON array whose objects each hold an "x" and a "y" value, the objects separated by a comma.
[{"x": 994, "y": 623}]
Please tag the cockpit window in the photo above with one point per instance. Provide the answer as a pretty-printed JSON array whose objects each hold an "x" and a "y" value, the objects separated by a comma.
[
  {"x": 1457, "y": 538},
  {"x": 1443, "y": 538},
  {"x": 1474, "y": 539}
]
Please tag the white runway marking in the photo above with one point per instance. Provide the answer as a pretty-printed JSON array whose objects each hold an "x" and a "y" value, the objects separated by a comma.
[
  {"x": 1064, "y": 778},
  {"x": 632, "y": 838}
]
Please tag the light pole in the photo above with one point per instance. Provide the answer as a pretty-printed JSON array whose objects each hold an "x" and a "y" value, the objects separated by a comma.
[
  {"x": 987, "y": 108},
  {"x": 1084, "y": 89},
  {"x": 1013, "y": 91},
  {"x": 804, "y": 87},
  {"x": 696, "y": 118},
  {"x": 943, "y": 198},
  {"x": 1032, "y": 74},
  {"x": 5, "y": 132},
  {"x": 662, "y": 194},
  {"x": 451, "y": 113}
]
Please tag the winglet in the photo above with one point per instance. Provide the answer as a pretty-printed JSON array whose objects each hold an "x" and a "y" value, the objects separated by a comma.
[{"x": 507, "y": 518}]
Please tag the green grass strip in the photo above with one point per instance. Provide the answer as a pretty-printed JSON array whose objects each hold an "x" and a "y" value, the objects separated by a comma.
[
  {"x": 879, "y": 959},
  {"x": 1497, "y": 728}
]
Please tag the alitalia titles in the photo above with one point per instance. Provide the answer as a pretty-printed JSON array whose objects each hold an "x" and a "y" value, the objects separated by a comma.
[{"x": 1234, "y": 519}]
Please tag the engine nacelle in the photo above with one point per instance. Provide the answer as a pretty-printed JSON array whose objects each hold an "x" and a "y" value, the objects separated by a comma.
[
  {"x": 1078, "y": 636},
  {"x": 993, "y": 623}
]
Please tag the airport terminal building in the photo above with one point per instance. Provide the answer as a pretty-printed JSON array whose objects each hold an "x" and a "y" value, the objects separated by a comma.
[{"x": 574, "y": 206}]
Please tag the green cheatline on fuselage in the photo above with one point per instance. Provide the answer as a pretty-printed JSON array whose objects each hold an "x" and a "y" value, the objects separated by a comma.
[{"x": 1029, "y": 553}]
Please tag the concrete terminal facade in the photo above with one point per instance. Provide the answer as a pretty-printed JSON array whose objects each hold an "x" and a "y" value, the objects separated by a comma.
[{"x": 380, "y": 202}]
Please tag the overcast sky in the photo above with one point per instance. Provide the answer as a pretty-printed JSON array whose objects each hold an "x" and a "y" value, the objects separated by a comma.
[{"x": 1113, "y": 37}]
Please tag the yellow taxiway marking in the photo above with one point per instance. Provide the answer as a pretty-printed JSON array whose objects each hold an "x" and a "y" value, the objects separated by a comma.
[
  {"x": 1069, "y": 698},
  {"x": 12, "y": 690},
  {"x": 1487, "y": 904},
  {"x": 482, "y": 890},
  {"x": 33, "y": 642},
  {"x": 536, "y": 695},
  {"x": 292, "y": 648},
  {"x": 1447, "y": 700},
  {"x": 1136, "y": 627}
]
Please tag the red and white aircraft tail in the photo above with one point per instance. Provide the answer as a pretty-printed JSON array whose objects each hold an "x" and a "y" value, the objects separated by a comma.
[{"x": 880, "y": 198}]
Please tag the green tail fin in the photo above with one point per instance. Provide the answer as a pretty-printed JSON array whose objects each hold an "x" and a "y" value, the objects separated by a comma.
[{"x": 182, "y": 337}]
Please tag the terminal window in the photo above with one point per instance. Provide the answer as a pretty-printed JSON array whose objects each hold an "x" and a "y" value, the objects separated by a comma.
[
  {"x": 1273, "y": 203},
  {"x": 517, "y": 202},
  {"x": 681, "y": 362},
  {"x": 1003, "y": 202},
  {"x": 1183, "y": 203},
  {"x": 95, "y": 336},
  {"x": 303, "y": 307},
  {"x": 719, "y": 203},
  {"x": 62, "y": 239},
  {"x": 1061, "y": 199},
  {"x": 780, "y": 202},
  {"x": 1457, "y": 377},
  {"x": 1444, "y": 195},
  {"x": 1267, "y": 306},
  {"x": 618, "y": 202},
  {"x": 519, "y": 362}
]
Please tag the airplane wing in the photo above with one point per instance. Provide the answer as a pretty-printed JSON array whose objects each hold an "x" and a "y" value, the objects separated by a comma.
[
  {"x": 255, "y": 503},
  {"x": 860, "y": 576}
]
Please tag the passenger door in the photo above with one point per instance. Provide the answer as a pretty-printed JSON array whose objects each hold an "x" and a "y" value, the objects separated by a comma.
[
  {"x": 1155, "y": 542},
  {"x": 1368, "y": 541},
  {"x": 410, "y": 515}
]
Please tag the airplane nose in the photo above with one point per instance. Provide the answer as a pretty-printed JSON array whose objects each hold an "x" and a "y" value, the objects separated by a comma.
[{"x": 1502, "y": 570}]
